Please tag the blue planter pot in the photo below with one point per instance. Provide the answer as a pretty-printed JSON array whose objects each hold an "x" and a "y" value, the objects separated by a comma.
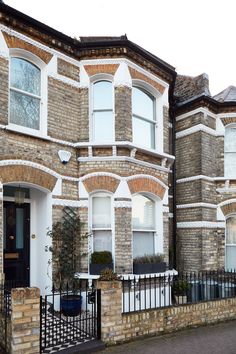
[{"x": 71, "y": 305}]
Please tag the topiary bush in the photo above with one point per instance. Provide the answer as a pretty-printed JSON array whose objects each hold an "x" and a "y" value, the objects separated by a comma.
[{"x": 102, "y": 257}]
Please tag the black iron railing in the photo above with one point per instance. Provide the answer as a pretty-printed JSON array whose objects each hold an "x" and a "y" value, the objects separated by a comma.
[
  {"x": 147, "y": 292},
  {"x": 5, "y": 313},
  {"x": 69, "y": 317}
]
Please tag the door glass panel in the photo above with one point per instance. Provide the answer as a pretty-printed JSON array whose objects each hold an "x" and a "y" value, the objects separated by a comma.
[{"x": 19, "y": 228}]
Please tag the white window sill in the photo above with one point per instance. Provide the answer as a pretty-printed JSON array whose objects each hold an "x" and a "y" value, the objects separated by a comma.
[
  {"x": 26, "y": 131},
  {"x": 129, "y": 276},
  {"x": 128, "y": 144}
]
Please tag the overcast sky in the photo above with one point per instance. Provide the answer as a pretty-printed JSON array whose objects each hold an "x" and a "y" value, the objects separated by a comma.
[{"x": 194, "y": 36}]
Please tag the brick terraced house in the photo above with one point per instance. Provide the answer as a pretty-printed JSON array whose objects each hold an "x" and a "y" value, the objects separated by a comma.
[{"x": 96, "y": 124}]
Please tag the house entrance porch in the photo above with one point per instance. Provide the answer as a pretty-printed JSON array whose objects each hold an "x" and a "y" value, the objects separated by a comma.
[{"x": 25, "y": 226}]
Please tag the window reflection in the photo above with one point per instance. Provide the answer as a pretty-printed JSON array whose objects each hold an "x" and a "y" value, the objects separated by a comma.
[
  {"x": 103, "y": 117},
  {"x": 25, "y": 91}
]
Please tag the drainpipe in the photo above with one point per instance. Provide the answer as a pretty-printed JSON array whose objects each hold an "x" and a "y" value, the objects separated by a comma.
[{"x": 172, "y": 116}]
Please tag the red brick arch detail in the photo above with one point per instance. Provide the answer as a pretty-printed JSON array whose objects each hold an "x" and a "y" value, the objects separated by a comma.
[
  {"x": 13, "y": 42},
  {"x": 229, "y": 208},
  {"x": 107, "y": 183},
  {"x": 143, "y": 184},
  {"x": 27, "y": 174}
]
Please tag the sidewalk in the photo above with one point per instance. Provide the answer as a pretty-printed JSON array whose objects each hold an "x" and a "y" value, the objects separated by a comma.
[{"x": 217, "y": 339}]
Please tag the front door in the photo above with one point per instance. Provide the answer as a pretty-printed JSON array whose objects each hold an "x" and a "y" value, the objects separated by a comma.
[{"x": 16, "y": 243}]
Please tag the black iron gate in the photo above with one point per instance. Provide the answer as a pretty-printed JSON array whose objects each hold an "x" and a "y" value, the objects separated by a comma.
[{"x": 69, "y": 318}]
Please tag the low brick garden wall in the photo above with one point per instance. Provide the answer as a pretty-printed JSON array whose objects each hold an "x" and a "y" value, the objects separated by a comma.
[{"x": 117, "y": 327}]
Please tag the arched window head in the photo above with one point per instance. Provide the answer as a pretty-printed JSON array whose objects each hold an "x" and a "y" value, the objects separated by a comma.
[
  {"x": 103, "y": 116},
  {"x": 230, "y": 243},
  {"x": 144, "y": 120},
  {"x": 25, "y": 93},
  {"x": 101, "y": 222},
  {"x": 144, "y": 228},
  {"x": 230, "y": 152}
]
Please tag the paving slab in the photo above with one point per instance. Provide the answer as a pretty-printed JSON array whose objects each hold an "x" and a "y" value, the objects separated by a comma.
[{"x": 216, "y": 339}]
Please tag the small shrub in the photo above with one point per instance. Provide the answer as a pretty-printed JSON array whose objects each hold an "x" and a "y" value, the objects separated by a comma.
[
  {"x": 152, "y": 258},
  {"x": 108, "y": 275},
  {"x": 180, "y": 287},
  {"x": 102, "y": 257}
]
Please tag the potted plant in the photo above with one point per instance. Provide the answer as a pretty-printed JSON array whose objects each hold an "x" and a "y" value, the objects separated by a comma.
[
  {"x": 99, "y": 261},
  {"x": 149, "y": 264},
  {"x": 66, "y": 260},
  {"x": 180, "y": 289},
  {"x": 107, "y": 274}
]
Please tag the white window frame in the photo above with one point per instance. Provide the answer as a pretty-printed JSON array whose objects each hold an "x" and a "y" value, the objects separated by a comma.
[
  {"x": 231, "y": 244},
  {"x": 229, "y": 126},
  {"x": 158, "y": 113},
  {"x": 94, "y": 79},
  {"x": 158, "y": 231},
  {"x": 90, "y": 221},
  {"x": 30, "y": 57}
]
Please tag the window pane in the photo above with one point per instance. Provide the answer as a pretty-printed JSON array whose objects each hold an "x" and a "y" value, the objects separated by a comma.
[
  {"x": 230, "y": 164},
  {"x": 102, "y": 95},
  {"x": 143, "y": 133},
  {"x": 24, "y": 110},
  {"x": 103, "y": 126},
  {"x": 102, "y": 241},
  {"x": 101, "y": 209},
  {"x": 143, "y": 213},
  {"x": 142, "y": 104},
  {"x": 25, "y": 76},
  {"x": 231, "y": 231},
  {"x": 230, "y": 257},
  {"x": 143, "y": 243},
  {"x": 230, "y": 139}
]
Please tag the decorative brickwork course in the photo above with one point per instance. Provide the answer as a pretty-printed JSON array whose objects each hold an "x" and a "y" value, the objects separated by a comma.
[
  {"x": 101, "y": 68},
  {"x": 229, "y": 208},
  {"x": 18, "y": 173},
  {"x": 13, "y": 42},
  {"x": 146, "y": 185},
  {"x": 137, "y": 75},
  {"x": 106, "y": 183}
]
